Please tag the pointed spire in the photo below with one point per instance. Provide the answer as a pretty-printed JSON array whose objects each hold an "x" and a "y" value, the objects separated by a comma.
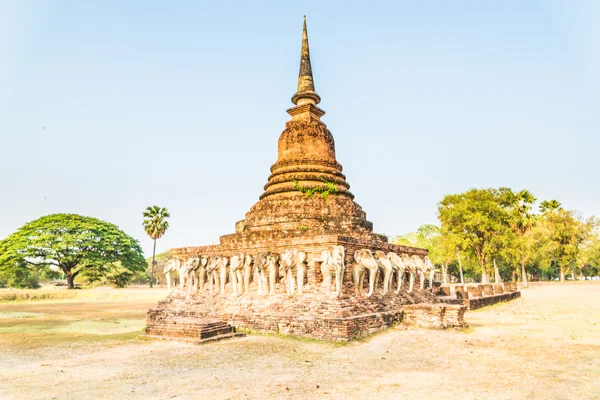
[{"x": 306, "y": 87}]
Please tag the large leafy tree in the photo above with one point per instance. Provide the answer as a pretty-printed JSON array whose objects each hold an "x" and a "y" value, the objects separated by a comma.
[
  {"x": 155, "y": 224},
  {"x": 522, "y": 221},
  {"x": 70, "y": 242},
  {"x": 478, "y": 222}
]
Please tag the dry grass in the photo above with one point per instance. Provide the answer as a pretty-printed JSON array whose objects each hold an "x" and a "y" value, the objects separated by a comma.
[{"x": 543, "y": 346}]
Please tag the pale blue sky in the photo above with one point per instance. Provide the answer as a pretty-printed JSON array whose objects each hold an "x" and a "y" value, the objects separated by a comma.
[{"x": 109, "y": 106}]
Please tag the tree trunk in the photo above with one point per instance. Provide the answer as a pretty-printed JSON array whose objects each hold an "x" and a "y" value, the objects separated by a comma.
[
  {"x": 497, "y": 278},
  {"x": 483, "y": 275},
  {"x": 70, "y": 278},
  {"x": 524, "y": 275},
  {"x": 152, "y": 267},
  {"x": 562, "y": 275},
  {"x": 462, "y": 279}
]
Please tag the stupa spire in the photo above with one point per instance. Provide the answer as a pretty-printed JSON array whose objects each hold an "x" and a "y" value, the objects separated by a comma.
[{"x": 306, "y": 87}]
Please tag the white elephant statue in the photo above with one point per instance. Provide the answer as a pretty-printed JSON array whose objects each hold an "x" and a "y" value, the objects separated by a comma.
[
  {"x": 187, "y": 272},
  {"x": 247, "y": 269},
  {"x": 399, "y": 268},
  {"x": 174, "y": 264},
  {"x": 222, "y": 268},
  {"x": 385, "y": 266},
  {"x": 212, "y": 270},
  {"x": 420, "y": 269},
  {"x": 429, "y": 269},
  {"x": 272, "y": 268},
  {"x": 364, "y": 261},
  {"x": 333, "y": 265},
  {"x": 198, "y": 275},
  {"x": 294, "y": 269},
  {"x": 260, "y": 263},
  {"x": 411, "y": 267},
  {"x": 236, "y": 264}
]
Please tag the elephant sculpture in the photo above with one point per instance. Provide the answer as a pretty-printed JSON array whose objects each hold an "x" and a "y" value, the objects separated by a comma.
[
  {"x": 364, "y": 261},
  {"x": 247, "y": 270},
  {"x": 420, "y": 269},
  {"x": 213, "y": 274},
  {"x": 260, "y": 263},
  {"x": 411, "y": 267},
  {"x": 222, "y": 268},
  {"x": 187, "y": 271},
  {"x": 385, "y": 265},
  {"x": 294, "y": 269},
  {"x": 429, "y": 269},
  {"x": 333, "y": 265},
  {"x": 236, "y": 264},
  {"x": 199, "y": 275},
  {"x": 272, "y": 268},
  {"x": 399, "y": 268},
  {"x": 174, "y": 264}
]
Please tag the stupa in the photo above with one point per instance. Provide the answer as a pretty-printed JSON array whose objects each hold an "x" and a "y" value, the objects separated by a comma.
[
  {"x": 306, "y": 206},
  {"x": 306, "y": 200}
]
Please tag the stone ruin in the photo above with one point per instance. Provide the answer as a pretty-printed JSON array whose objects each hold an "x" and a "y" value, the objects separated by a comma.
[{"x": 305, "y": 260}]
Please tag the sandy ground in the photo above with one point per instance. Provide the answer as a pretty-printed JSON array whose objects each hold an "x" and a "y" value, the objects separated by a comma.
[{"x": 543, "y": 346}]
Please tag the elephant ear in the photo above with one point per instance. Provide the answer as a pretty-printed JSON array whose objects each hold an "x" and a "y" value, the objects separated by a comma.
[
  {"x": 357, "y": 256},
  {"x": 325, "y": 256},
  {"x": 301, "y": 257}
]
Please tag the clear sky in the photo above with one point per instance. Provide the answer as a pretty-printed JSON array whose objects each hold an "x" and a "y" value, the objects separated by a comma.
[{"x": 107, "y": 107}]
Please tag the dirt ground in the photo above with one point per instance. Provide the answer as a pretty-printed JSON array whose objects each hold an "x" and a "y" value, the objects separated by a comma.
[{"x": 545, "y": 345}]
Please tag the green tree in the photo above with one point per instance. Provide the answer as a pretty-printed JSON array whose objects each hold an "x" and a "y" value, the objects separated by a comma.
[
  {"x": 549, "y": 206},
  {"x": 563, "y": 239},
  {"x": 478, "y": 222},
  {"x": 70, "y": 242},
  {"x": 522, "y": 220},
  {"x": 155, "y": 224}
]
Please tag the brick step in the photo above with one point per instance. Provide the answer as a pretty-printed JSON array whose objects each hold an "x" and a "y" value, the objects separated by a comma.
[
  {"x": 190, "y": 327},
  {"x": 186, "y": 332},
  {"x": 196, "y": 341}
]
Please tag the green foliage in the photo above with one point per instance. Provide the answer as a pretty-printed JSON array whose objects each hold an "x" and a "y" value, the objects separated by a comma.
[
  {"x": 155, "y": 221},
  {"x": 324, "y": 191},
  {"x": 303, "y": 228},
  {"x": 478, "y": 222},
  {"x": 489, "y": 228},
  {"x": 71, "y": 243},
  {"x": 119, "y": 276},
  {"x": 155, "y": 224}
]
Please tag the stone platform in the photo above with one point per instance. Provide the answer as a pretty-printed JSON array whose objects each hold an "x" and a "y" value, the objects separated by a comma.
[
  {"x": 189, "y": 329},
  {"x": 315, "y": 314},
  {"x": 477, "y": 295}
]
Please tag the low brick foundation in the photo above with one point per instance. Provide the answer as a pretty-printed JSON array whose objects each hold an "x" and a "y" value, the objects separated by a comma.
[
  {"x": 314, "y": 315},
  {"x": 437, "y": 316},
  {"x": 479, "y": 302}
]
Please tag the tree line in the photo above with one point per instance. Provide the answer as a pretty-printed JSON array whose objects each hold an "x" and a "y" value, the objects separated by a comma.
[{"x": 499, "y": 234}]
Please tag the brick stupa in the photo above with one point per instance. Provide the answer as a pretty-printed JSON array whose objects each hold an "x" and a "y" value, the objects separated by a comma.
[{"x": 306, "y": 205}]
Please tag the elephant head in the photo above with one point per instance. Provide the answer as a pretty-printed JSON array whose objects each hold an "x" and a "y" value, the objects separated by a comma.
[
  {"x": 174, "y": 264},
  {"x": 333, "y": 265},
  {"x": 236, "y": 264},
  {"x": 399, "y": 268},
  {"x": 420, "y": 269},
  {"x": 272, "y": 267},
  {"x": 247, "y": 268},
  {"x": 385, "y": 266},
  {"x": 364, "y": 261},
  {"x": 292, "y": 265}
]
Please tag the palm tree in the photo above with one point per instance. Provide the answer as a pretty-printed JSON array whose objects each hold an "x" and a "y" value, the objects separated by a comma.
[
  {"x": 155, "y": 224},
  {"x": 547, "y": 206}
]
